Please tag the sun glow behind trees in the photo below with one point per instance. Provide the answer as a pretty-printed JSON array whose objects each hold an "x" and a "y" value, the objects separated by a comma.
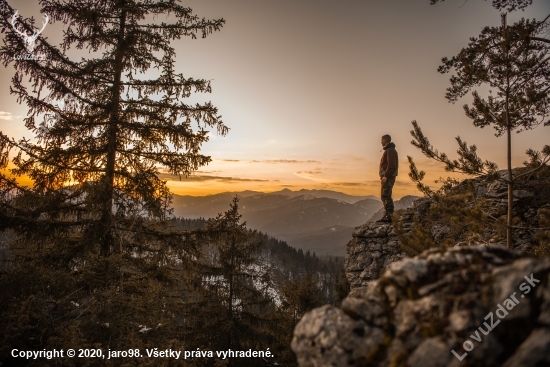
[{"x": 341, "y": 88}]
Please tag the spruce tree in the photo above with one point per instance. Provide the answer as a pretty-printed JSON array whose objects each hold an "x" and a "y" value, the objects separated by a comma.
[
  {"x": 91, "y": 255},
  {"x": 233, "y": 308}
]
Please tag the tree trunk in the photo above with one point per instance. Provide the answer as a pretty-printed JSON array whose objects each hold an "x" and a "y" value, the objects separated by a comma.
[
  {"x": 510, "y": 187},
  {"x": 109, "y": 178},
  {"x": 232, "y": 271},
  {"x": 509, "y": 141}
]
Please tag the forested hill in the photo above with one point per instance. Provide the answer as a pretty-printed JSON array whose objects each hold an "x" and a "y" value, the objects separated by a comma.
[{"x": 288, "y": 263}]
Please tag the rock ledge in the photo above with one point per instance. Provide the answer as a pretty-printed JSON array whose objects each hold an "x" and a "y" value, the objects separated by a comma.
[{"x": 424, "y": 308}]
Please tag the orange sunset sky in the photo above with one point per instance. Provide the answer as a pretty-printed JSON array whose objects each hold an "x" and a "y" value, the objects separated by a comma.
[{"x": 307, "y": 87}]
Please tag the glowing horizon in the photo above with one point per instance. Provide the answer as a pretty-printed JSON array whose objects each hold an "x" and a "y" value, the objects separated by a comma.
[{"x": 306, "y": 104}]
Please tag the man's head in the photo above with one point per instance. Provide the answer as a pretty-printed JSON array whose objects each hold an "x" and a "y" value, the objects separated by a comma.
[{"x": 386, "y": 139}]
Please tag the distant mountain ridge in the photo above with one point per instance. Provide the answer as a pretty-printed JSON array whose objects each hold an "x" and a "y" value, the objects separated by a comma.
[
  {"x": 352, "y": 199},
  {"x": 210, "y": 205},
  {"x": 303, "y": 218},
  {"x": 250, "y": 201}
]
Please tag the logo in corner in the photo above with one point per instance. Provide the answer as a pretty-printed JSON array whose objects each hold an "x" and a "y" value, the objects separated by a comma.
[{"x": 29, "y": 40}]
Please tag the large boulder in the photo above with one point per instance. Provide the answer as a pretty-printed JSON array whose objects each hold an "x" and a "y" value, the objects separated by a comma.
[{"x": 465, "y": 306}]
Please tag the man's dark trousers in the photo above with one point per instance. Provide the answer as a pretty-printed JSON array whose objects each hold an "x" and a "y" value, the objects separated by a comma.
[{"x": 386, "y": 195}]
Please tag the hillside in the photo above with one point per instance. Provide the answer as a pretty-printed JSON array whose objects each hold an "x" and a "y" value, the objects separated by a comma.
[
  {"x": 327, "y": 241},
  {"x": 302, "y": 214},
  {"x": 303, "y": 220},
  {"x": 283, "y": 261}
]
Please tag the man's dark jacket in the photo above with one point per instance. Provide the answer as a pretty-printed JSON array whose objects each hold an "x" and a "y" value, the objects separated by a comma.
[{"x": 389, "y": 162}]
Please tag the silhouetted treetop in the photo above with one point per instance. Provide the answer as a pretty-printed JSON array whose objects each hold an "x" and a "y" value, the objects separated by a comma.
[{"x": 508, "y": 5}]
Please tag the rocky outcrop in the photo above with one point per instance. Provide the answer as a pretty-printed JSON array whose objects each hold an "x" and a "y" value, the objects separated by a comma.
[
  {"x": 476, "y": 304},
  {"x": 372, "y": 248},
  {"x": 466, "y": 306},
  {"x": 530, "y": 193}
]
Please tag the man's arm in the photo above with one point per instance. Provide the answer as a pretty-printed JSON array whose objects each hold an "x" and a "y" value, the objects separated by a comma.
[{"x": 392, "y": 163}]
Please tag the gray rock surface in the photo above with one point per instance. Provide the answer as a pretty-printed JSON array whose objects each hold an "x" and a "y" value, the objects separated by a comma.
[
  {"x": 422, "y": 309},
  {"x": 373, "y": 247}
]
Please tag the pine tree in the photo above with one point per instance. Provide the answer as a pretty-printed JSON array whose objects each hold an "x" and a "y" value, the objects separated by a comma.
[
  {"x": 513, "y": 62},
  {"x": 92, "y": 256}
]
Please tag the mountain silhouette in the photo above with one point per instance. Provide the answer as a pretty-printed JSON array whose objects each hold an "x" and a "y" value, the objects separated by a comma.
[{"x": 316, "y": 220}]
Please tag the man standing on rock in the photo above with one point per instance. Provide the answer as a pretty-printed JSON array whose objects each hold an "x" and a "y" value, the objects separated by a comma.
[{"x": 388, "y": 171}]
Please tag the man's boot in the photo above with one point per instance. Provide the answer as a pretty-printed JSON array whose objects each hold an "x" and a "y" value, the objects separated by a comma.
[{"x": 385, "y": 219}]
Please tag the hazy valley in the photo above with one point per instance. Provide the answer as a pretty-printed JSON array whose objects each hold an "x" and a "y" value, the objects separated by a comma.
[{"x": 320, "y": 221}]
